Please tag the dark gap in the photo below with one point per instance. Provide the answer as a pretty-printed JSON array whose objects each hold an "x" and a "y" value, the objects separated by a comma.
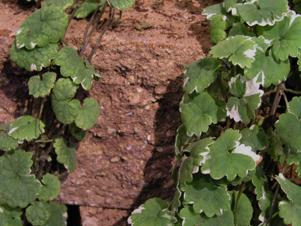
[{"x": 74, "y": 218}]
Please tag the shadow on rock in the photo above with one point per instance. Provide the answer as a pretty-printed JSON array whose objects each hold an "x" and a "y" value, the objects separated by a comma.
[{"x": 158, "y": 170}]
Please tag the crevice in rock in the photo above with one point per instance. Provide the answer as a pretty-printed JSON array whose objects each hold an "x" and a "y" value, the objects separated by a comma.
[{"x": 74, "y": 217}]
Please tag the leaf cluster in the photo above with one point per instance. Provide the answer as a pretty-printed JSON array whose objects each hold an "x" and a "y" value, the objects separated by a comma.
[{"x": 239, "y": 145}]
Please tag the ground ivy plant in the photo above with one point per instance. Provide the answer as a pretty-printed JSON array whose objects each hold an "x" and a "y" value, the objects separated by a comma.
[
  {"x": 239, "y": 147},
  {"x": 39, "y": 146}
]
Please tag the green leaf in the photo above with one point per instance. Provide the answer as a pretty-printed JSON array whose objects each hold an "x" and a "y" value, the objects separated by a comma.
[
  {"x": 10, "y": 217},
  {"x": 290, "y": 210},
  {"x": 33, "y": 60},
  {"x": 46, "y": 25},
  {"x": 37, "y": 214},
  {"x": 206, "y": 197},
  {"x": 239, "y": 49},
  {"x": 189, "y": 217},
  {"x": 88, "y": 114},
  {"x": 213, "y": 10},
  {"x": 263, "y": 195},
  {"x": 65, "y": 108},
  {"x": 285, "y": 36},
  {"x": 225, "y": 219},
  {"x": 273, "y": 72},
  {"x": 185, "y": 171},
  {"x": 88, "y": 7},
  {"x": 18, "y": 187},
  {"x": 295, "y": 160},
  {"x": 51, "y": 187},
  {"x": 7, "y": 143},
  {"x": 198, "y": 113},
  {"x": 72, "y": 65},
  {"x": 152, "y": 213},
  {"x": 263, "y": 12},
  {"x": 218, "y": 26},
  {"x": 199, "y": 151},
  {"x": 64, "y": 89},
  {"x": 237, "y": 86},
  {"x": 26, "y": 128},
  {"x": 181, "y": 139},
  {"x": 62, "y": 4},
  {"x": 244, "y": 211},
  {"x": 57, "y": 214},
  {"x": 229, "y": 158},
  {"x": 121, "y": 4},
  {"x": 65, "y": 155},
  {"x": 294, "y": 107},
  {"x": 287, "y": 125},
  {"x": 41, "y": 87},
  {"x": 254, "y": 137},
  {"x": 200, "y": 75}
]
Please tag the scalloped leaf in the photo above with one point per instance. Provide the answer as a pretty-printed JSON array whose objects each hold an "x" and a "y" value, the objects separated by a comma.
[
  {"x": 35, "y": 59},
  {"x": 198, "y": 113},
  {"x": 10, "y": 217},
  {"x": 88, "y": 114},
  {"x": 51, "y": 187},
  {"x": 206, "y": 197},
  {"x": 73, "y": 66},
  {"x": 26, "y": 128},
  {"x": 290, "y": 210},
  {"x": 58, "y": 215},
  {"x": 263, "y": 12},
  {"x": 269, "y": 69},
  {"x": 239, "y": 49},
  {"x": 263, "y": 195},
  {"x": 41, "y": 86},
  {"x": 88, "y": 7},
  {"x": 287, "y": 125},
  {"x": 189, "y": 217},
  {"x": 225, "y": 219},
  {"x": 62, "y": 4},
  {"x": 65, "y": 155},
  {"x": 213, "y": 10},
  {"x": 18, "y": 187},
  {"x": 46, "y": 25},
  {"x": 7, "y": 143},
  {"x": 229, "y": 158},
  {"x": 218, "y": 26},
  {"x": 65, "y": 108},
  {"x": 285, "y": 37},
  {"x": 37, "y": 214},
  {"x": 244, "y": 211},
  {"x": 254, "y": 137},
  {"x": 200, "y": 75},
  {"x": 121, "y": 4},
  {"x": 153, "y": 212}
]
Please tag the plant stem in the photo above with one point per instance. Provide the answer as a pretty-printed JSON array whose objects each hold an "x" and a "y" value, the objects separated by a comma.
[
  {"x": 277, "y": 98},
  {"x": 296, "y": 92},
  {"x": 241, "y": 189}
]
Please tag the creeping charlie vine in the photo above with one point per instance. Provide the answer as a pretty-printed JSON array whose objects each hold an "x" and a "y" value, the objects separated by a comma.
[
  {"x": 38, "y": 148},
  {"x": 239, "y": 146}
]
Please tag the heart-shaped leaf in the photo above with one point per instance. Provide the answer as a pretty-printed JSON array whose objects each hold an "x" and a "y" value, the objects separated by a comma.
[
  {"x": 88, "y": 114},
  {"x": 41, "y": 86},
  {"x": 46, "y": 25},
  {"x": 65, "y": 155},
  {"x": 51, "y": 187}
]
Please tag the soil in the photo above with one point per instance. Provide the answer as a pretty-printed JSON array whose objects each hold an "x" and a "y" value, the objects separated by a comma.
[{"x": 128, "y": 156}]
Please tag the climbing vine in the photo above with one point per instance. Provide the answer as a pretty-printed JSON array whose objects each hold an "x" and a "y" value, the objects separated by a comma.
[
  {"x": 39, "y": 147},
  {"x": 239, "y": 145}
]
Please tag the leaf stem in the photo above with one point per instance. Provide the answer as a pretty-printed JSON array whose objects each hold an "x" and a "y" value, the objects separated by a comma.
[{"x": 296, "y": 92}]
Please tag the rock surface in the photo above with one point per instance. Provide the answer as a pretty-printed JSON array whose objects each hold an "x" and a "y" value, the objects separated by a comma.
[{"x": 128, "y": 156}]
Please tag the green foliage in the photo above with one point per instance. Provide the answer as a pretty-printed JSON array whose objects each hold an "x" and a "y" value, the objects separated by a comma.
[
  {"x": 35, "y": 59},
  {"x": 41, "y": 86},
  {"x": 26, "y": 128},
  {"x": 45, "y": 26},
  {"x": 18, "y": 187},
  {"x": 39, "y": 146},
  {"x": 241, "y": 115},
  {"x": 65, "y": 154}
]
